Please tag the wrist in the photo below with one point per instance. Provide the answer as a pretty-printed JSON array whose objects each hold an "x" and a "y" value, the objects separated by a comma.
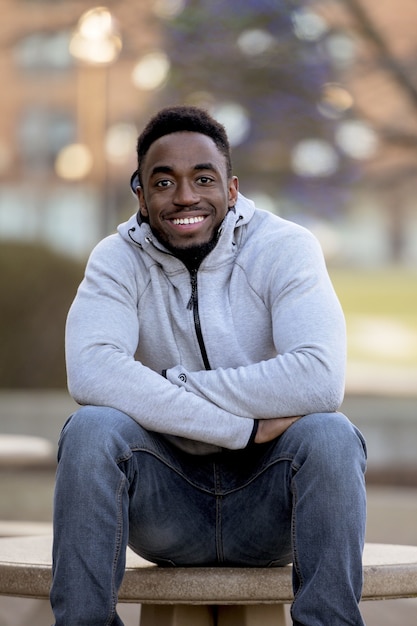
[{"x": 253, "y": 433}]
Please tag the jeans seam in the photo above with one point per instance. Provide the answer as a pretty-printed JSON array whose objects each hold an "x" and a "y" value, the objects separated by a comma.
[
  {"x": 119, "y": 536},
  {"x": 219, "y": 538},
  {"x": 259, "y": 473},
  {"x": 219, "y": 502},
  {"x": 160, "y": 458},
  {"x": 295, "y": 564}
]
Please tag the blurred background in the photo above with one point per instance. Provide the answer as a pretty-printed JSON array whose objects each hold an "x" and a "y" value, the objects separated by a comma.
[{"x": 319, "y": 100}]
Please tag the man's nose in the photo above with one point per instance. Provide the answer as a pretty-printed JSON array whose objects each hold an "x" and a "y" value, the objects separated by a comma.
[{"x": 185, "y": 194}]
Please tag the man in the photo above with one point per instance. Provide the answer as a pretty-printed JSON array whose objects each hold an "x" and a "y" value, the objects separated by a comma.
[{"x": 208, "y": 347}]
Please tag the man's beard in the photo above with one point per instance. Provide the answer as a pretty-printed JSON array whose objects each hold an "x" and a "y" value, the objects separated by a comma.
[{"x": 192, "y": 256}]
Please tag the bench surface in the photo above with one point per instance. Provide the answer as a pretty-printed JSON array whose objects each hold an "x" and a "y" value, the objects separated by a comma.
[
  {"x": 390, "y": 571},
  {"x": 25, "y": 451}
]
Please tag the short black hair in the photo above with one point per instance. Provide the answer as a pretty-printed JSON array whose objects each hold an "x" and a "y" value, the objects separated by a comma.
[{"x": 179, "y": 118}]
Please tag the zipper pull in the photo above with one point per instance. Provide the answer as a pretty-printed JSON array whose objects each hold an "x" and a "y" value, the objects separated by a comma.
[{"x": 193, "y": 298}]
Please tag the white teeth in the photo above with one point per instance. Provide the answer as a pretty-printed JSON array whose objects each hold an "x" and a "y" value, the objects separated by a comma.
[{"x": 187, "y": 220}]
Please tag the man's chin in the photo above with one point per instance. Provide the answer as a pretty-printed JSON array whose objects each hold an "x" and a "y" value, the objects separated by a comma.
[{"x": 192, "y": 253}]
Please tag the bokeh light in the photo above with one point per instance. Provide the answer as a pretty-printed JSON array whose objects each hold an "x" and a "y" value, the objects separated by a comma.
[
  {"x": 314, "y": 158},
  {"x": 168, "y": 9},
  {"x": 96, "y": 39},
  {"x": 308, "y": 25},
  {"x": 357, "y": 139},
  {"x": 235, "y": 119},
  {"x": 120, "y": 143},
  {"x": 341, "y": 48},
  {"x": 151, "y": 71},
  {"x": 335, "y": 101},
  {"x": 255, "y": 41},
  {"x": 74, "y": 162}
]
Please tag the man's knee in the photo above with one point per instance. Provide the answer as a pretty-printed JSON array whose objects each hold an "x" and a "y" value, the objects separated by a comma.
[
  {"x": 86, "y": 423},
  {"x": 331, "y": 436},
  {"x": 94, "y": 430}
]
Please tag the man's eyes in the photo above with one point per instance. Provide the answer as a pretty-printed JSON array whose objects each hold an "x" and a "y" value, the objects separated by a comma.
[
  {"x": 204, "y": 180},
  {"x": 201, "y": 180}
]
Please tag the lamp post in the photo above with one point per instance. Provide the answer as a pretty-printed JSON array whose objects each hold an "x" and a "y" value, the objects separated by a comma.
[{"x": 95, "y": 44}]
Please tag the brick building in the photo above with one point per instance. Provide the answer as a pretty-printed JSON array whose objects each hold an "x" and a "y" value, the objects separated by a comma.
[{"x": 51, "y": 101}]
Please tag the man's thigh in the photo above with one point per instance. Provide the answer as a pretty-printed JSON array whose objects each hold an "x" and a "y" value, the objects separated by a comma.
[{"x": 232, "y": 508}]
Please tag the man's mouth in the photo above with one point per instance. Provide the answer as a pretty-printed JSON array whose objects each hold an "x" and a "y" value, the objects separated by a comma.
[{"x": 187, "y": 220}]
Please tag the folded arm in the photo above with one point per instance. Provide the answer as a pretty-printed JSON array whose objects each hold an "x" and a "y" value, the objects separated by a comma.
[
  {"x": 307, "y": 374},
  {"x": 101, "y": 339}
]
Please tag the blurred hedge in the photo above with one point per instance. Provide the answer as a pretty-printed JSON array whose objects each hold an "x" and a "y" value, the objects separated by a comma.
[{"x": 37, "y": 287}]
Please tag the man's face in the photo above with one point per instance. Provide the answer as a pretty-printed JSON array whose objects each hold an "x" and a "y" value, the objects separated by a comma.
[{"x": 185, "y": 191}]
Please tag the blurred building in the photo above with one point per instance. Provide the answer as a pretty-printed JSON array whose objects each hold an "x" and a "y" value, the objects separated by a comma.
[
  {"x": 69, "y": 122},
  {"x": 68, "y": 125},
  {"x": 377, "y": 51}
]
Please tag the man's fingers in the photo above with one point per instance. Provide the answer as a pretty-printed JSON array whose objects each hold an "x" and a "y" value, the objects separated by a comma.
[{"x": 272, "y": 428}]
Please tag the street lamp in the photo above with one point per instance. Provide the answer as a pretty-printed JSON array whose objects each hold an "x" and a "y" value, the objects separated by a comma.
[
  {"x": 95, "y": 44},
  {"x": 96, "y": 39}
]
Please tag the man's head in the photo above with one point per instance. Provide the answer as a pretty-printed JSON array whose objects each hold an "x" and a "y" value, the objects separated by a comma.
[
  {"x": 183, "y": 118},
  {"x": 186, "y": 186}
]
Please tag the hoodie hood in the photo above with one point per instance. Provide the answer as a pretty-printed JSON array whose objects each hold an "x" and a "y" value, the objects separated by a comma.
[{"x": 135, "y": 230}]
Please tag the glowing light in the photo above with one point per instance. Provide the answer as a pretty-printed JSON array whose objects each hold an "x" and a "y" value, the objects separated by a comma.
[
  {"x": 74, "y": 162},
  {"x": 168, "y": 9},
  {"x": 235, "y": 119},
  {"x": 96, "y": 39},
  {"x": 335, "y": 101},
  {"x": 341, "y": 48},
  {"x": 357, "y": 139},
  {"x": 151, "y": 71},
  {"x": 308, "y": 25},
  {"x": 314, "y": 158},
  {"x": 255, "y": 41},
  {"x": 121, "y": 143}
]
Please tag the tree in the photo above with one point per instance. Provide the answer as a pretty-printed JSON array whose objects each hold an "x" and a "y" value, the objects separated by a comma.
[
  {"x": 262, "y": 64},
  {"x": 382, "y": 80}
]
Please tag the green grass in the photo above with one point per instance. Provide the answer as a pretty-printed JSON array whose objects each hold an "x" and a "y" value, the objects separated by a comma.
[{"x": 381, "y": 314}]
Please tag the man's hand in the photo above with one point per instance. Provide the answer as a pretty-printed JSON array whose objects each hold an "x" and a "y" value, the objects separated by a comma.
[{"x": 272, "y": 428}]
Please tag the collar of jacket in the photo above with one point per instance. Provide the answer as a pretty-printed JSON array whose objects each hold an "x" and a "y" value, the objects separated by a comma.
[{"x": 139, "y": 233}]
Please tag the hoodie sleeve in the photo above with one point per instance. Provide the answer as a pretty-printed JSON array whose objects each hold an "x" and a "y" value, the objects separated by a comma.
[
  {"x": 101, "y": 338},
  {"x": 308, "y": 373}
]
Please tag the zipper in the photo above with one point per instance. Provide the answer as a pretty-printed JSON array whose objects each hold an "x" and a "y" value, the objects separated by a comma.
[{"x": 193, "y": 305}]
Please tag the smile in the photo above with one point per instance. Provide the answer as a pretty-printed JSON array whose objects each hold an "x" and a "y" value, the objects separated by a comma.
[{"x": 187, "y": 220}]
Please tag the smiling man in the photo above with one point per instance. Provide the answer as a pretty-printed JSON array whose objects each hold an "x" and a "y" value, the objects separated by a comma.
[
  {"x": 184, "y": 199},
  {"x": 207, "y": 346}
]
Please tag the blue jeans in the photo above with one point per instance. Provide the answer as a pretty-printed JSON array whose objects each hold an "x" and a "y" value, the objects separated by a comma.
[{"x": 300, "y": 499}]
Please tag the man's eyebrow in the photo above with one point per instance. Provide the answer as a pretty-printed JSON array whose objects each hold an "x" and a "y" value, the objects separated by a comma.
[
  {"x": 162, "y": 169},
  {"x": 205, "y": 166},
  {"x": 168, "y": 169}
]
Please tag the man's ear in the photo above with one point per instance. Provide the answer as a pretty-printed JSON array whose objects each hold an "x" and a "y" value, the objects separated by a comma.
[
  {"x": 233, "y": 191},
  {"x": 142, "y": 204}
]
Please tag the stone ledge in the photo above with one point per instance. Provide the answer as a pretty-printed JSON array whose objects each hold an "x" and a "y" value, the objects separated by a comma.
[
  {"x": 21, "y": 451},
  {"x": 14, "y": 528},
  {"x": 390, "y": 571}
]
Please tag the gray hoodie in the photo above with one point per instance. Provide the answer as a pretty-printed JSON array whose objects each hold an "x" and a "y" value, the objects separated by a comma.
[{"x": 263, "y": 335}]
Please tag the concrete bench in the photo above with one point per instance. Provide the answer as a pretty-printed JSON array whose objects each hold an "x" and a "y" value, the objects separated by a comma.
[
  {"x": 19, "y": 528},
  {"x": 205, "y": 596},
  {"x": 25, "y": 451}
]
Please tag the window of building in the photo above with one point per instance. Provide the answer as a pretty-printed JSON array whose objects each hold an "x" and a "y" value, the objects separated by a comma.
[
  {"x": 44, "y": 51},
  {"x": 42, "y": 133}
]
